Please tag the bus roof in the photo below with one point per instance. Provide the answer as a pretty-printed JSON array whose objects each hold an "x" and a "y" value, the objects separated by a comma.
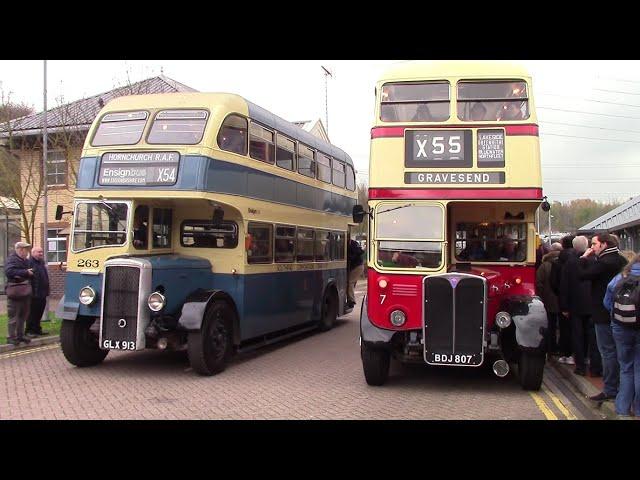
[
  {"x": 441, "y": 69},
  {"x": 233, "y": 103}
]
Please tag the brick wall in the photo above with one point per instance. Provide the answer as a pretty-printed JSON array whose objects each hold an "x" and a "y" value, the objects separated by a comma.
[{"x": 56, "y": 280}]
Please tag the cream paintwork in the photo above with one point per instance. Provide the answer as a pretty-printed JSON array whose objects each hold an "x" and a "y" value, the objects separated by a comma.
[
  {"x": 196, "y": 205},
  {"x": 522, "y": 153}
]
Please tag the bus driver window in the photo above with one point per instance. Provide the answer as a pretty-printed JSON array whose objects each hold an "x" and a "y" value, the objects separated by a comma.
[{"x": 141, "y": 228}]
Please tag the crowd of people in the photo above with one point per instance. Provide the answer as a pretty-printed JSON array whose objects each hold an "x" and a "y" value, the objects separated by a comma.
[
  {"x": 590, "y": 290},
  {"x": 27, "y": 289}
]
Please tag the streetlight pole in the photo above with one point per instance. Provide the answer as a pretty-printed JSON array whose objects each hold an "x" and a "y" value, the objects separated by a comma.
[
  {"x": 44, "y": 170},
  {"x": 327, "y": 74},
  {"x": 45, "y": 240}
]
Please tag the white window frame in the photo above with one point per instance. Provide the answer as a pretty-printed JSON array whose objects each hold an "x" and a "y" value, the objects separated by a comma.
[{"x": 57, "y": 173}]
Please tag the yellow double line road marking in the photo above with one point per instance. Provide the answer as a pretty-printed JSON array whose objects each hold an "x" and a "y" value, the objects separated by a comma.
[
  {"x": 559, "y": 404},
  {"x": 28, "y": 350},
  {"x": 544, "y": 408}
]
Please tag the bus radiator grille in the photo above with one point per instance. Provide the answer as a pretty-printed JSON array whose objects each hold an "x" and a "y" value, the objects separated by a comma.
[{"x": 120, "y": 302}]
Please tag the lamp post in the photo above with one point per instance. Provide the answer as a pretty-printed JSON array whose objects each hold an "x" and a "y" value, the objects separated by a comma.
[
  {"x": 44, "y": 170},
  {"x": 327, "y": 74},
  {"x": 45, "y": 240}
]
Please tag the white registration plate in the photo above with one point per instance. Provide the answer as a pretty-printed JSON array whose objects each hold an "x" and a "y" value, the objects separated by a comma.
[{"x": 118, "y": 345}]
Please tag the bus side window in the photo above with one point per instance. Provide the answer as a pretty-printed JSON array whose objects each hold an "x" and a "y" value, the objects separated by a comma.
[
  {"x": 162, "y": 227},
  {"x": 141, "y": 228},
  {"x": 260, "y": 248},
  {"x": 233, "y": 135}
]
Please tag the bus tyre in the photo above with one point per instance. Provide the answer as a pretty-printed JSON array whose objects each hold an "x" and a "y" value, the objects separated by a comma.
[
  {"x": 375, "y": 363},
  {"x": 329, "y": 310},
  {"x": 210, "y": 348},
  {"x": 530, "y": 370},
  {"x": 79, "y": 345}
]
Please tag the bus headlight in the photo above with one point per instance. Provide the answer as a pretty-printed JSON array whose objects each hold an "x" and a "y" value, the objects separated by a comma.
[
  {"x": 503, "y": 319},
  {"x": 87, "y": 295},
  {"x": 156, "y": 302},
  {"x": 398, "y": 318}
]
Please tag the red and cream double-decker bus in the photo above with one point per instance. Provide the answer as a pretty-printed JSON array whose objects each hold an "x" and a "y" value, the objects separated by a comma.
[{"x": 455, "y": 182}]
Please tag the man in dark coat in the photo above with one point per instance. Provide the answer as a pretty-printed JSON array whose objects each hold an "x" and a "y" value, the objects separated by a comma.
[
  {"x": 40, "y": 283},
  {"x": 355, "y": 267},
  {"x": 548, "y": 296},
  {"x": 17, "y": 270},
  {"x": 607, "y": 264},
  {"x": 575, "y": 302}
]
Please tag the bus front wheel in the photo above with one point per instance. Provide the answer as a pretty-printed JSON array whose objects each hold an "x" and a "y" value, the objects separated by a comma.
[
  {"x": 79, "y": 345},
  {"x": 329, "y": 310},
  {"x": 375, "y": 363},
  {"x": 530, "y": 370},
  {"x": 210, "y": 348}
]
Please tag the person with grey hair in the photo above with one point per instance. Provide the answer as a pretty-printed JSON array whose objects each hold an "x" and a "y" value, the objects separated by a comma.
[
  {"x": 548, "y": 296},
  {"x": 575, "y": 303},
  {"x": 18, "y": 289}
]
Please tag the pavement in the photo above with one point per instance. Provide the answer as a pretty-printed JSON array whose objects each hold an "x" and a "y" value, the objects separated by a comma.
[
  {"x": 584, "y": 386},
  {"x": 35, "y": 342}
]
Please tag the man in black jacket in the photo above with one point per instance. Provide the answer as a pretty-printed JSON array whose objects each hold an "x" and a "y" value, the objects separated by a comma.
[
  {"x": 608, "y": 263},
  {"x": 575, "y": 302},
  {"x": 17, "y": 270},
  {"x": 40, "y": 283},
  {"x": 355, "y": 267}
]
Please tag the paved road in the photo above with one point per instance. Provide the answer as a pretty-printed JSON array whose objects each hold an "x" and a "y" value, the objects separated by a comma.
[{"x": 315, "y": 376}]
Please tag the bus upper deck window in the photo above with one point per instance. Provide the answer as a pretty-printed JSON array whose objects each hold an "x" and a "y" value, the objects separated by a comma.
[
  {"x": 122, "y": 128},
  {"x": 178, "y": 127},
  {"x": 233, "y": 135},
  {"x": 415, "y": 102},
  {"x": 493, "y": 101},
  {"x": 261, "y": 143}
]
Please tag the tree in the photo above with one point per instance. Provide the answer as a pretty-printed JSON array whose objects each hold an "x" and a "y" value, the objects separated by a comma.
[
  {"x": 571, "y": 215},
  {"x": 20, "y": 173}
]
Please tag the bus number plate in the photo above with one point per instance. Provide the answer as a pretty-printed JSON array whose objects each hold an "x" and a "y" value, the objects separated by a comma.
[
  {"x": 452, "y": 359},
  {"x": 118, "y": 345}
]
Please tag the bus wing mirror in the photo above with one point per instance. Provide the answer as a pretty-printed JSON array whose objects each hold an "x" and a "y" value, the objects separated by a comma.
[
  {"x": 358, "y": 213},
  {"x": 218, "y": 215},
  {"x": 545, "y": 206},
  {"x": 60, "y": 212}
]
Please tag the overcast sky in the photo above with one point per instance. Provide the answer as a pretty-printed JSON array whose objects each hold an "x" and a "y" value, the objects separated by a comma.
[{"x": 588, "y": 111}]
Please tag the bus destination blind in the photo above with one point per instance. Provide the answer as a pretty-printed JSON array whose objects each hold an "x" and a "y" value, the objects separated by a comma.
[{"x": 140, "y": 168}]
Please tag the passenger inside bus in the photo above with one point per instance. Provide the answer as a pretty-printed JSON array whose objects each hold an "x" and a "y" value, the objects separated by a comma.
[
  {"x": 473, "y": 251},
  {"x": 423, "y": 114},
  {"x": 140, "y": 227},
  {"x": 403, "y": 260},
  {"x": 388, "y": 113},
  {"x": 478, "y": 112},
  {"x": 510, "y": 250},
  {"x": 233, "y": 140},
  {"x": 510, "y": 111}
]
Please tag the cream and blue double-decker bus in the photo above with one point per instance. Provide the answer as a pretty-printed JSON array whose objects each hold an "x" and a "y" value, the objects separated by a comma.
[{"x": 203, "y": 222}]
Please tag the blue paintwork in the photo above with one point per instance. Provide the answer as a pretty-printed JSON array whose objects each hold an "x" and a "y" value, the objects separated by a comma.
[
  {"x": 265, "y": 302},
  {"x": 200, "y": 173}
]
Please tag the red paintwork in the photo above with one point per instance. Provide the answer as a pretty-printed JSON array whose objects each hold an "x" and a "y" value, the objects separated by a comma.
[
  {"x": 404, "y": 292},
  {"x": 530, "y": 129},
  {"x": 457, "y": 193}
]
